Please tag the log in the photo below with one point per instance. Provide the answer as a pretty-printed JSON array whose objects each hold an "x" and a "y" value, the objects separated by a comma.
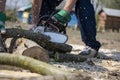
[
  {"x": 31, "y": 64},
  {"x": 42, "y": 40},
  {"x": 12, "y": 45},
  {"x": 60, "y": 57},
  {"x": 37, "y": 53},
  {"x": 2, "y": 46},
  {"x": 43, "y": 55}
]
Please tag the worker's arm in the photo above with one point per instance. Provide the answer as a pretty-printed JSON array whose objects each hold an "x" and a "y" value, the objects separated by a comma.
[
  {"x": 63, "y": 16},
  {"x": 36, "y": 7},
  {"x": 69, "y": 5}
]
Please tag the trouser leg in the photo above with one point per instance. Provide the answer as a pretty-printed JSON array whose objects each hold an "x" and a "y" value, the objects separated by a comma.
[{"x": 87, "y": 24}]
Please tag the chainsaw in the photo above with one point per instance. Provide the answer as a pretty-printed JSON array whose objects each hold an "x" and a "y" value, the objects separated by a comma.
[{"x": 52, "y": 28}]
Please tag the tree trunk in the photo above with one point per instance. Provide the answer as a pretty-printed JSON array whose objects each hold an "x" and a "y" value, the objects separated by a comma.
[{"x": 40, "y": 39}]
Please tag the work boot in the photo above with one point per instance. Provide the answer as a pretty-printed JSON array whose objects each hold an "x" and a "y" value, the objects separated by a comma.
[{"x": 88, "y": 52}]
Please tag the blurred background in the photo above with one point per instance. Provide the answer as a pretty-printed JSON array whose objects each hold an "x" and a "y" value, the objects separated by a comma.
[{"x": 109, "y": 10}]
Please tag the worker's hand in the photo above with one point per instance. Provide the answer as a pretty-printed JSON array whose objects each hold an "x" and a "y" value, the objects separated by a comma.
[
  {"x": 2, "y": 23},
  {"x": 60, "y": 19},
  {"x": 62, "y": 16}
]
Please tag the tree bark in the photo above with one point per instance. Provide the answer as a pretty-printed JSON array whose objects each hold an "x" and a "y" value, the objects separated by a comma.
[
  {"x": 31, "y": 64},
  {"x": 59, "y": 57},
  {"x": 42, "y": 40},
  {"x": 12, "y": 45}
]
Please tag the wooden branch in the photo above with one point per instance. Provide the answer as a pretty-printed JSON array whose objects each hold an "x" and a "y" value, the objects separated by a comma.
[
  {"x": 2, "y": 46},
  {"x": 31, "y": 64},
  {"x": 12, "y": 45},
  {"x": 40, "y": 39},
  {"x": 60, "y": 57}
]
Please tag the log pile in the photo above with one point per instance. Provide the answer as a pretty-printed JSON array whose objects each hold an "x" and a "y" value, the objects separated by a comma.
[
  {"x": 44, "y": 42},
  {"x": 37, "y": 66}
]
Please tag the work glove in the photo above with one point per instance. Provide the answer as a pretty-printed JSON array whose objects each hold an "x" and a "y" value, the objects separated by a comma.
[
  {"x": 61, "y": 18},
  {"x": 2, "y": 22}
]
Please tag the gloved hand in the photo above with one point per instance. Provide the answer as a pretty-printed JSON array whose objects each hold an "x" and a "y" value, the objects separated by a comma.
[
  {"x": 2, "y": 22},
  {"x": 62, "y": 17}
]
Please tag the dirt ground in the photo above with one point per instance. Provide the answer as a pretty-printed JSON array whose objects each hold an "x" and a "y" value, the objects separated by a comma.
[
  {"x": 101, "y": 68},
  {"x": 108, "y": 39}
]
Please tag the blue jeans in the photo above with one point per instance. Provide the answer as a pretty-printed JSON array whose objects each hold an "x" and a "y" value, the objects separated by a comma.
[
  {"x": 86, "y": 19},
  {"x": 87, "y": 24}
]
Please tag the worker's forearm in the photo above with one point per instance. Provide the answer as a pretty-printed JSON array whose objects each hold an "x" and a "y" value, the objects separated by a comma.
[
  {"x": 2, "y": 5},
  {"x": 69, "y": 5},
  {"x": 36, "y": 7}
]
